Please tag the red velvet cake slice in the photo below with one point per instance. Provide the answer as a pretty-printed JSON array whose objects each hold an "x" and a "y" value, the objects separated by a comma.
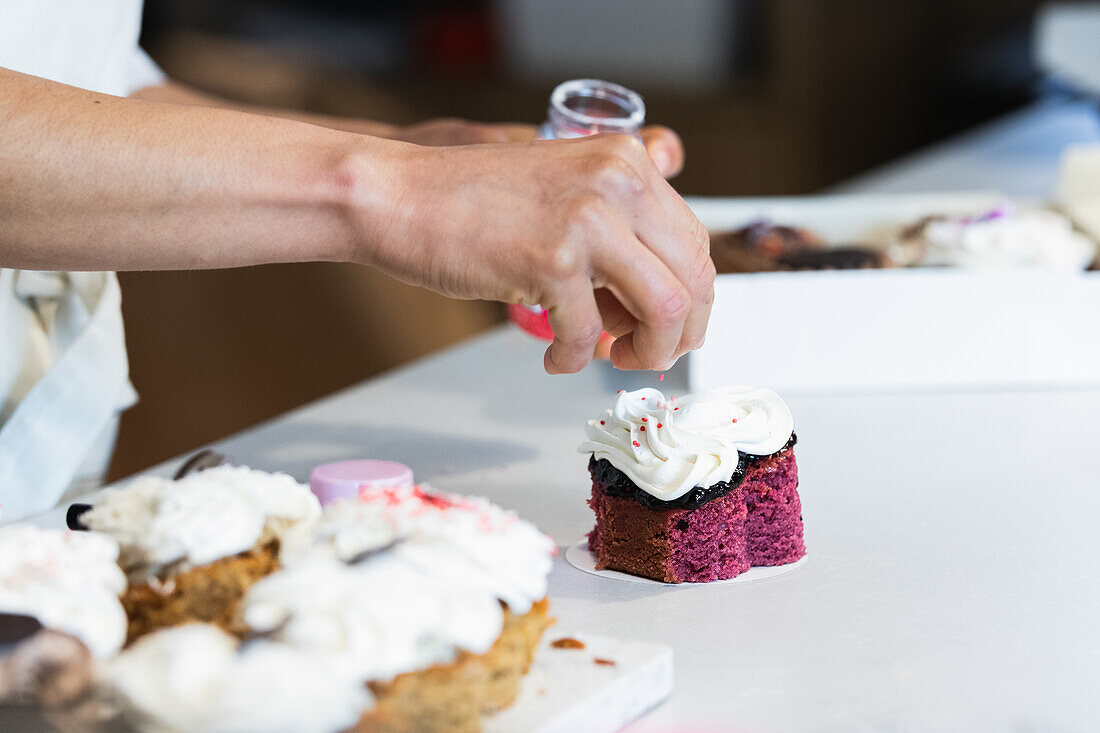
[{"x": 696, "y": 489}]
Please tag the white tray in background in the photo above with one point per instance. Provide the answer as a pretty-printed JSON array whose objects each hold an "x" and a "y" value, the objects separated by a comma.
[
  {"x": 894, "y": 329},
  {"x": 568, "y": 691}
]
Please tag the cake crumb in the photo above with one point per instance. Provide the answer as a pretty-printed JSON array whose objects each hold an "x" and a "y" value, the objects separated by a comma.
[
  {"x": 604, "y": 662},
  {"x": 567, "y": 643}
]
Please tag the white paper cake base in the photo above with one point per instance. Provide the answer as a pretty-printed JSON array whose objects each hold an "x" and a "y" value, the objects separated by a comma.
[
  {"x": 568, "y": 691},
  {"x": 581, "y": 558}
]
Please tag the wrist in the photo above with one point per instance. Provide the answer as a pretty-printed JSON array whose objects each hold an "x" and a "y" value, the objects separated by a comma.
[{"x": 370, "y": 181}]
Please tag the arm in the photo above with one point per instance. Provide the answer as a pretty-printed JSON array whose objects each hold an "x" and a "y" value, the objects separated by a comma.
[
  {"x": 663, "y": 144},
  {"x": 588, "y": 228}
]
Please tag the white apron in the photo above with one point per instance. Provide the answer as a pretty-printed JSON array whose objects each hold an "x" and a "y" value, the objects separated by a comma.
[{"x": 63, "y": 372}]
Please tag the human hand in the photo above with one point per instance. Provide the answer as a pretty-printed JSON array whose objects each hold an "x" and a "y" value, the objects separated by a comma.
[
  {"x": 588, "y": 228},
  {"x": 664, "y": 145}
]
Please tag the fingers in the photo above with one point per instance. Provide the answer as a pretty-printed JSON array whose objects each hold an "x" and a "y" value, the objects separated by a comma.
[
  {"x": 577, "y": 328},
  {"x": 665, "y": 148},
  {"x": 665, "y": 224},
  {"x": 654, "y": 297}
]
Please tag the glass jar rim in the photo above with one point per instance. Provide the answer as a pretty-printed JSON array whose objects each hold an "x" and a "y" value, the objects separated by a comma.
[{"x": 629, "y": 101}]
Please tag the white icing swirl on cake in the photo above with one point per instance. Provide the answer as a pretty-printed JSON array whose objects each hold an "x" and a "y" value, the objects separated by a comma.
[
  {"x": 669, "y": 446},
  {"x": 195, "y": 678},
  {"x": 379, "y": 617},
  {"x": 1003, "y": 238},
  {"x": 462, "y": 540},
  {"x": 69, "y": 581},
  {"x": 203, "y": 517}
]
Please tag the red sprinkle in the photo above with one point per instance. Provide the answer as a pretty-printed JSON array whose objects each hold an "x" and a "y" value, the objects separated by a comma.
[
  {"x": 735, "y": 419},
  {"x": 643, "y": 428},
  {"x": 675, "y": 408},
  {"x": 661, "y": 378},
  {"x": 643, "y": 398},
  {"x": 645, "y": 419},
  {"x": 658, "y": 425},
  {"x": 602, "y": 422},
  {"x": 637, "y": 444},
  {"x": 618, "y": 391}
]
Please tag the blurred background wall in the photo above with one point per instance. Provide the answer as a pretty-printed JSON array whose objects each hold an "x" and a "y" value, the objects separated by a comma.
[{"x": 769, "y": 96}]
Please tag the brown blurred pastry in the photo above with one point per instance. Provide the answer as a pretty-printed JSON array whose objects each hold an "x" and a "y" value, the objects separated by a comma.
[{"x": 765, "y": 247}]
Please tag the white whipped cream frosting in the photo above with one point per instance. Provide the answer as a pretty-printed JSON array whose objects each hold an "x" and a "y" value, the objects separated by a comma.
[
  {"x": 203, "y": 517},
  {"x": 463, "y": 540},
  {"x": 69, "y": 581},
  {"x": 197, "y": 679},
  {"x": 669, "y": 446},
  {"x": 1005, "y": 238},
  {"x": 401, "y": 578},
  {"x": 376, "y": 619}
]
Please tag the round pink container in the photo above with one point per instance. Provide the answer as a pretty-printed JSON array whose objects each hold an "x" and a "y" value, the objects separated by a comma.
[{"x": 333, "y": 481}]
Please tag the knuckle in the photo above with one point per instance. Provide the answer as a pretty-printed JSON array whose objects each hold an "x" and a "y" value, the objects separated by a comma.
[
  {"x": 564, "y": 260},
  {"x": 625, "y": 146},
  {"x": 672, "y": 307},
  {"x": 701, "y": 236},
  {"x": 704, "y": 274},
  {"x": 587, "y": 210}
]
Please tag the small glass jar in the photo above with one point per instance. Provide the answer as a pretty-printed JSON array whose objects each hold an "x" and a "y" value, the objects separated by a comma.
[
  {"x": 579, "y": 108},
  {"x": 583, "y": 107}
]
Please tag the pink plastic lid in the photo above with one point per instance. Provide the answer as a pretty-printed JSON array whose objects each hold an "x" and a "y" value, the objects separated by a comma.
[{"x": 333, "y": 481}]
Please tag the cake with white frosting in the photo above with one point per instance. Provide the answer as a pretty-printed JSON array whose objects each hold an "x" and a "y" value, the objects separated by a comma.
[
  {"x": 192, "y": 547},
  {"x": 403, "y": 609},
  {"x": 696, "y": 488},
  {"x": 67, "y": 581},
  {"x": 464, "y": 604}
]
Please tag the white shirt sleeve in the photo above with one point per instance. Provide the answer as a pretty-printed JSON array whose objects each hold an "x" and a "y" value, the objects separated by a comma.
[{"x": 142, "y": 72}]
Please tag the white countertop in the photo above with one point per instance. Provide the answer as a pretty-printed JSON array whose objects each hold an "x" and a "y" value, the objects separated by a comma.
[
  {"x": 953, "y": 580},
  {"x": 954, "y": 557}
]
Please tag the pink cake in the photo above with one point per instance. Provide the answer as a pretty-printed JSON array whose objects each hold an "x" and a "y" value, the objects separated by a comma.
[{"x": 696, "y": 489}]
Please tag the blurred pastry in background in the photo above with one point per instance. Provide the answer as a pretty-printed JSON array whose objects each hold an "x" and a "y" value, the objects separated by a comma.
[
  {"x": 766, "y": 247},
  {"x": 1004, "y": 237}
]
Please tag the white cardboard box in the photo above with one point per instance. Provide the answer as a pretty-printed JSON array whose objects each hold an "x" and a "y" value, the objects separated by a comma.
[{"x": 897, "y": 329}]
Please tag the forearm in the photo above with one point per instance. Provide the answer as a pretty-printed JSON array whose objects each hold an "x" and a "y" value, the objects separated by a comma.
[
  {"x": 90, "y": 181},
  {"x": 172, "y": 92}
]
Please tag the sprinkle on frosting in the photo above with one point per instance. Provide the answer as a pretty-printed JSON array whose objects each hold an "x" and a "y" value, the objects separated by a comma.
[
  {"x": 699, "y": 445},
  {"x": 203, "y": 517},
  {"x": 69, "y": 581},
  {"x": 462, "y": 539}
]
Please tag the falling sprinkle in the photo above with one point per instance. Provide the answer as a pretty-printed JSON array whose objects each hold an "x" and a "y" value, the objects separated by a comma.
[
  {"x": 675, "y": 408},
  {"x": 661, "y": 377},
  {"x": 658, "y": 426},
  {"x": 602, "y": 422},
  {"x": 645, "y": 419},
  {"x": 735, "y": 419},
  {"x": 618, "y": 391},
  {"x": 603, "y": 662},
  {"x": 637, "y": 444},
  {"x": 567, "y": 643},
  {"x": 643, "y": 398},
  {"x": 642, "y": 428}
]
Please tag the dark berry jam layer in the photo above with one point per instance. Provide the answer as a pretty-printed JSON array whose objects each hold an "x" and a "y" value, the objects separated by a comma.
[{"x": 614, "y": 482}]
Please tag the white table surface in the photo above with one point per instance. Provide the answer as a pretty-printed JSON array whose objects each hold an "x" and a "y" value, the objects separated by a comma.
[{"x": 954, "y": 572}]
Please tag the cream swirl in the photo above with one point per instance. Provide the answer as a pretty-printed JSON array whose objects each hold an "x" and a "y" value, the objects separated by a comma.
[
  {"x": 69, "y": 581},
  {"x": 376, "y": 618},
  {"x": 1004, "y": 238},
  {"x": 203, "y": 517},
  {"x": 196, "y": 678},
  {"x": 669, "y": 446},
  {"x": 458, "y": 539}
]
